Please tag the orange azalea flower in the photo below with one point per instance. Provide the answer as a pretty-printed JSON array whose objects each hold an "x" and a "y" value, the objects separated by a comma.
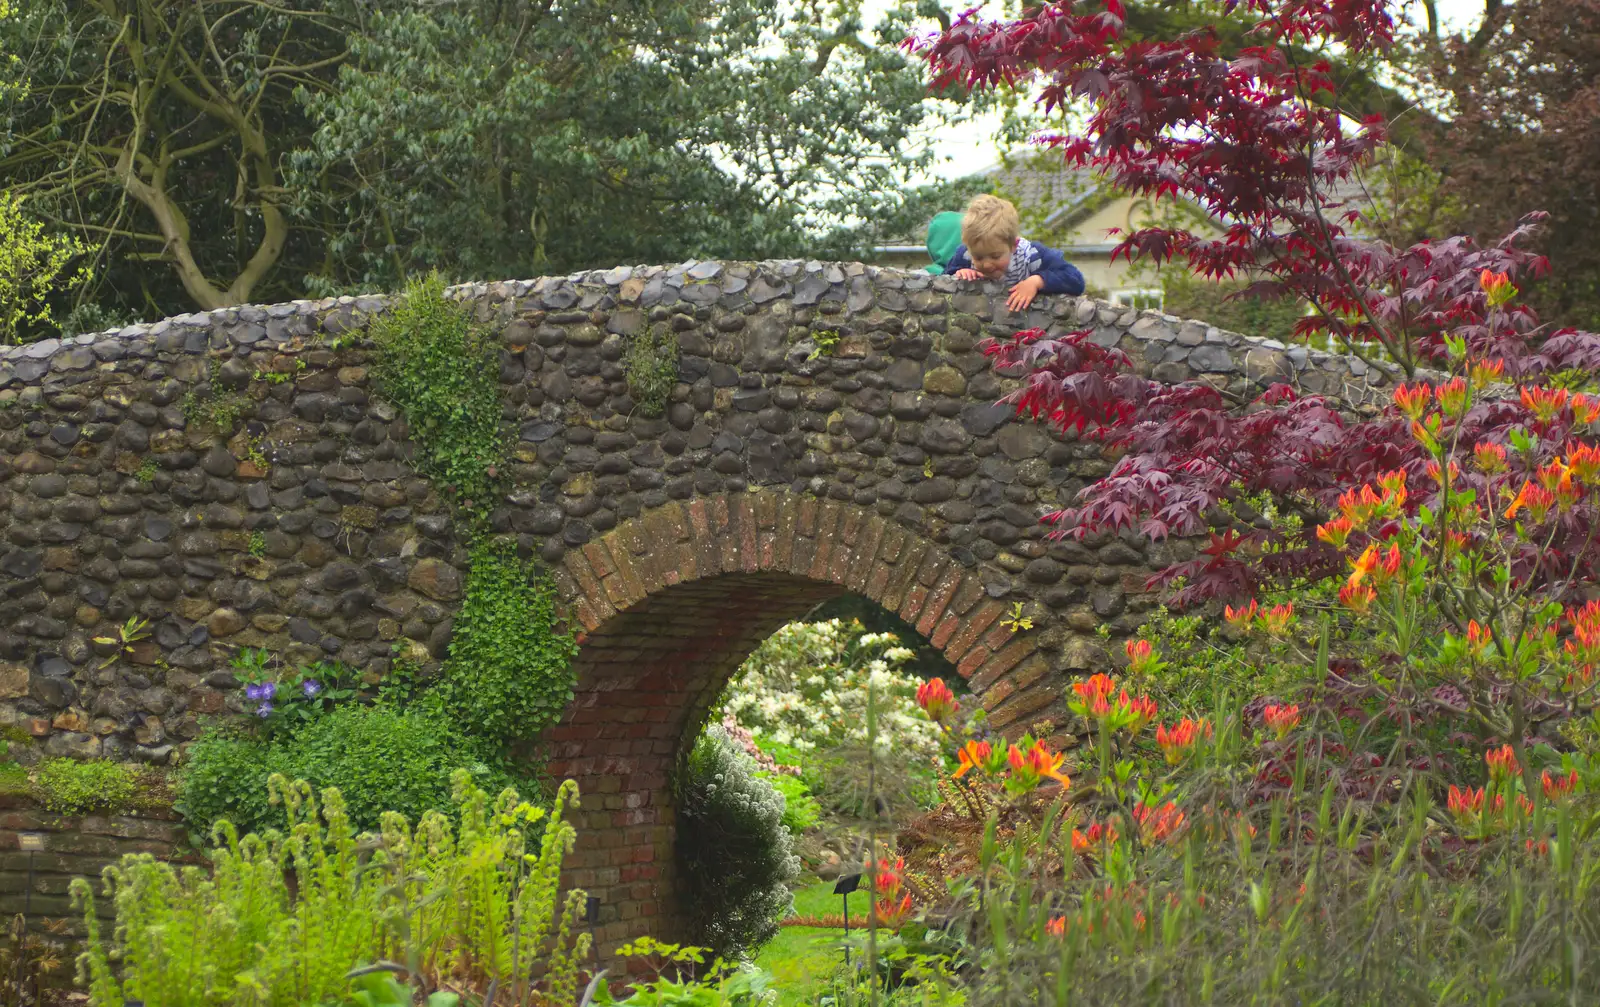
[
  {"x": 1394, "y": 484},
  {"x": 1541, "y": 848},
  {"x": 1097, "y": 835},
  {"x": 1558, "y": 788},
  {"x": 937, "y": 700},
  {"x": 1453, "y": 397},
  {"x": 1536, "y": 500},
  {"x": 1282, "y": 719},
  {"x": 1242, "y": 617},
  {"x": 1544, "y": 403},
  {"x": 1141, "y": 710},
  {"x": 1379, "y": 564},
  {"x": 1491, "y": 458},
  {"x": 1584, "y": 461},
  {"x": 1277, "y": 621},
  {"x": 1497, "y": 287},
  {"x": 1584, "y": 647},
  {"x": 1479, "y": 637},
  {"x": 1141, "y": 656},
  {"x": 1555, "y": 476},
  {"x": 1357, "y": 598},
  {"x": 1502, "y": 762},
  {"x": 1465, "y": 804},
  {"x": 1030, "y": 768},
  {"x": 1391, "y": 560},
  {"x": 889, "y": 905},
  {"x": 1336, "y": 532},
  {"x": 1180, "y": 740},
  {"x": 1097, "y": 685},
  {"x": 1157, "y": 824},
  {"x": 1585, "y": 409},
  {"x": 1412, "y": 399},
  {"x": 973, "y": 755},
  {"x": 1056, "y": 926},
  {"x": 1486, "y": 372},
  {"x": 1435, "y": 472}
]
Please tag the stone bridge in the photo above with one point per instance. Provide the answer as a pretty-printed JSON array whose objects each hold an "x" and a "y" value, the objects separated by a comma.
[{"x": 833, "y": 429}]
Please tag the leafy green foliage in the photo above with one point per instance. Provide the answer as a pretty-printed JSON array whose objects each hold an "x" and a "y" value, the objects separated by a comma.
[
  {"x": 224, "y": 776},
  {"x": 33, "y": 264},
  {"x": 652, "y": 368},
  {"x": 385, "y": 759},
  {"x": 509, "y": 672},
  {"x": 443, "y": 371},
  {"x": 734, "y": 853},
  {"x": 338, "y": 146},
  {"x": 800, "y": 810},
  {"x": 499, "y": 141},
  {"x": 468, "y": 906},
  {"x": 715, "y": 983},
  {"x": 71, "y": 787}
]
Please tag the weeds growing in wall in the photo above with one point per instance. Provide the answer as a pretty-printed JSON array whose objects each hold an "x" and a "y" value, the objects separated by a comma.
[
  {"x": 443, "y": 370},
  {"x": 652, "y": 369}
]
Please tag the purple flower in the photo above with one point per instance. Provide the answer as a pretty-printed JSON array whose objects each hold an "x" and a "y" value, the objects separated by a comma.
[
  {"x": 263, "y": 690},
  {"x": 264, "y": 710},
  {"x": 311, "y": 687}
]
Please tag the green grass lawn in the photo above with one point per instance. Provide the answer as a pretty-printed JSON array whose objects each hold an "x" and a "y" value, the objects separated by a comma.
[{"x": 802, "y": 958}]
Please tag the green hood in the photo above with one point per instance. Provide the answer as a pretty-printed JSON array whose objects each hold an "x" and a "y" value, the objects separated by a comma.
[{"x": 944, "y": 237}]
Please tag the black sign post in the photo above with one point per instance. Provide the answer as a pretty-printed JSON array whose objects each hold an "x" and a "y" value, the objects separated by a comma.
[{"x": 842, "y": 888}]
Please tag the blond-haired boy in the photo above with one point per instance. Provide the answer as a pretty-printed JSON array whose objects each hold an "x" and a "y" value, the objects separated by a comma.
[{"x": 992, "y": 249}]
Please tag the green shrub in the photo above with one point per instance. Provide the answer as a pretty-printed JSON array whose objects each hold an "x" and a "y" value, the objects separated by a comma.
[
  {"x": 386, "y": 759},
  {"x": 509, "y": 673},
  {"x": 467, "y": 908},
  {"x": 800, "y": 810},
  {"x": 734, "y": 853},
  {"x": 224, "y": 776},
  {"x": 71, "y": 787}
]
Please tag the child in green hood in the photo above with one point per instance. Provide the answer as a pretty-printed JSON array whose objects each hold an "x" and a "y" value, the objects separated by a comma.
[{"x": 944, "y": 237}]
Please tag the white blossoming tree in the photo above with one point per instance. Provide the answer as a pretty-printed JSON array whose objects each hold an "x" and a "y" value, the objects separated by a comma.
[{"x": 803, "y": 694}]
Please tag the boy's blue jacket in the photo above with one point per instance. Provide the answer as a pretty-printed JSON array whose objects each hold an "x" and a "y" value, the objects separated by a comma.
[{"x": 1060, "y": 276}]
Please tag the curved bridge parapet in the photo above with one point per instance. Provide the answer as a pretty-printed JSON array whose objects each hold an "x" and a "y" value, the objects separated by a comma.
[{"x": 833, "y": 428}]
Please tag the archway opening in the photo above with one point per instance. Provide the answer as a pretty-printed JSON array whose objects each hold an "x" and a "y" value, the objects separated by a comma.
[{"x": 671, "y": 603}]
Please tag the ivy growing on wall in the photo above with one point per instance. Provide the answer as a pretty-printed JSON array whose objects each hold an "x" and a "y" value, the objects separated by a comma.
[
  {"x": 509, "y": 673},
  {"x": 443, "y": 370},
  {"x": 652, "y": 369}
]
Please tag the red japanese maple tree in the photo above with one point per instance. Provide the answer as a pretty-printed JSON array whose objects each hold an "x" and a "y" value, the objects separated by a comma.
[{"x": 1257, "y": 140}]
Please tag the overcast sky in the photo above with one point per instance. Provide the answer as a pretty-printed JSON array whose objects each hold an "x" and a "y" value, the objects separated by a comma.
[{"x": 966, "y": 148}]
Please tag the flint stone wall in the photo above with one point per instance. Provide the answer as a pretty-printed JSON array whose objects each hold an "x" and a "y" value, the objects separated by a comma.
[{"x": 307, "y": 531}]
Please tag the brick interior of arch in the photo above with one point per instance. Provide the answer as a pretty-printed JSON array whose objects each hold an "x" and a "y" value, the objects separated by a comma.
[{"x": 671, "y": 603}]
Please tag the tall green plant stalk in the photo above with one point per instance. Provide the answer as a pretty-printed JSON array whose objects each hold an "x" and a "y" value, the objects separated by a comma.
[
  {"x": 469, "y": 907},
  {"x": 872, "y": 841}
]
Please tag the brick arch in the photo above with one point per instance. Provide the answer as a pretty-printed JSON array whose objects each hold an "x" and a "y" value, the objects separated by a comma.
[{"x": 671, "y": 603}]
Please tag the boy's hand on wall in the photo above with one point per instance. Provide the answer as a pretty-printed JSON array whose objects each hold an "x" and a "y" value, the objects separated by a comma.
[
  {"x": 968, "y": 274},
  {"x": 1023, "y": 293}
]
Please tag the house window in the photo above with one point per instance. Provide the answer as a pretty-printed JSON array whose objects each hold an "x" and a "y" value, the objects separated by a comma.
[{"x": 1138, "y": 297}]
